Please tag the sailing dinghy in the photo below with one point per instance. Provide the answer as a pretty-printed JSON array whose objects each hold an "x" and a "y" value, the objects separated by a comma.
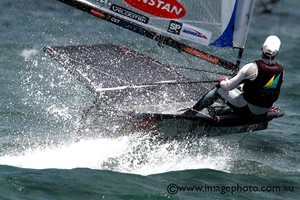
[{"x": 151, "y": 95}]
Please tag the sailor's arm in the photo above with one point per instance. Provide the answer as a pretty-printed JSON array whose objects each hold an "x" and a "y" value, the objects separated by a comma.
[{"x": 249, "y": 71}]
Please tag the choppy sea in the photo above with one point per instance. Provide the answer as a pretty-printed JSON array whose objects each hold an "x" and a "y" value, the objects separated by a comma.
[{"x": 41, "y": 106}]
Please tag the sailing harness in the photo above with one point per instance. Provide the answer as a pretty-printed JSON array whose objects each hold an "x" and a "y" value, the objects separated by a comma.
[{"x": 264, "y": 90}]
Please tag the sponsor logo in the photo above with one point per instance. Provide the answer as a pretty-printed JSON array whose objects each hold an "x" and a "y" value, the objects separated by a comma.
[
  {"x": 201, "y": 55},
  {"x": 127, "y": 25},
  {"x": 194, "y": 33},
  {"x": 115, "y": 20},
  {"x": 130, "y": 14},
  {"x": 174, "y": 27},
  {"x": 98, "y": 13},
  {"x": 161, "y": 8},
  {"x": 273, "y": 82},
  {"x": 189, "y": 32}
]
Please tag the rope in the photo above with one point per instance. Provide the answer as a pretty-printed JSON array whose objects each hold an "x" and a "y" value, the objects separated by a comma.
[{"x": 153, "y": 84}]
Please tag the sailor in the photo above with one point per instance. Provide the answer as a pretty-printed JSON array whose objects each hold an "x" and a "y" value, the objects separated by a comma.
[{"x": 255, "y": 87}]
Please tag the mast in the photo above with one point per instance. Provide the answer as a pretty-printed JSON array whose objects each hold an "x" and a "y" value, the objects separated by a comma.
[{"x": 244, "y": 10}]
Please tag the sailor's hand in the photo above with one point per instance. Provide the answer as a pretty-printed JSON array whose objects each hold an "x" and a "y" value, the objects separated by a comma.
[{"x": 223, "y": 78}]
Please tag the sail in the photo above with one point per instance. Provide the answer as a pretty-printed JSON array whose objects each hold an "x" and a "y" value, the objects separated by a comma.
[
  {"x": 184, "y": 24},
  {"x": 127, "y": 78},
  {"x": 221, "y": 23}
]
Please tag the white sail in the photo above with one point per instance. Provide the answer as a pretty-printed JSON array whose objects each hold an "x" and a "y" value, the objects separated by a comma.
[
  {"x": 221, "y": 23},
  {"x": 242, "y": 22}
]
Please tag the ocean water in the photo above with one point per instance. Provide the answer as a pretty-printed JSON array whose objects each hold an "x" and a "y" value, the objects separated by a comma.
[{"x": 41, "y": 106}]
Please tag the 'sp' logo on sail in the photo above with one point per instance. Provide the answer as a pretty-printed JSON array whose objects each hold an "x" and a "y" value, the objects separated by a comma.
[{"x": 161, "y": 8}]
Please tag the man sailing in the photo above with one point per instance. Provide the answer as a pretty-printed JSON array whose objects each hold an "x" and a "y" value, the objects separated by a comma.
[{"x": 260, "y": 81}]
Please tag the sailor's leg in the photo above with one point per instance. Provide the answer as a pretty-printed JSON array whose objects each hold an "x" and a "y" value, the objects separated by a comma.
[
  {"x": 235, "y": 100},
  {"x": 207, "y": 100},
  {"x": 224, "y": 111},
  {"x": 204, "y": 102},
  {"x": 233, "y": 97}
]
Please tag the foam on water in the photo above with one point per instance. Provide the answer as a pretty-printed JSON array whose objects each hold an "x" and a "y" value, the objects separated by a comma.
[
  {"x": 86, "y": 153},
  {"x": 131, "y": 154},
  {"x": 28, "y": 54}
]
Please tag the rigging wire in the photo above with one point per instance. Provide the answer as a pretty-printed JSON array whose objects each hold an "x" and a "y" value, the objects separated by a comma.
[
  {"x": 280, "y": 20},
  {"x": 245, "y": 136},
  {"x": 188, "y": 60}
]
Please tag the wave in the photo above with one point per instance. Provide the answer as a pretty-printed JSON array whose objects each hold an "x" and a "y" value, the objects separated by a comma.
[{"x": 137, "y": 153}]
